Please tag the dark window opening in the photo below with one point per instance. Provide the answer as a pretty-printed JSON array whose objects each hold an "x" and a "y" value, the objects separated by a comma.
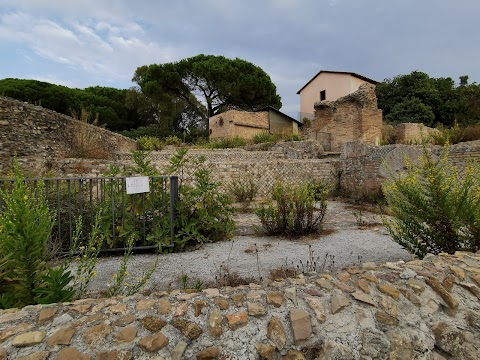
[{"x": 323, "y": 95}]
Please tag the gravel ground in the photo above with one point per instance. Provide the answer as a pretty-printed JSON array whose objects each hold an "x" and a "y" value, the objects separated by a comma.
[{"x": 346, "y": 244}]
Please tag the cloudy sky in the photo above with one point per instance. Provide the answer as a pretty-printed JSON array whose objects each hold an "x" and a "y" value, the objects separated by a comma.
[{"x": 101, "y": 42}]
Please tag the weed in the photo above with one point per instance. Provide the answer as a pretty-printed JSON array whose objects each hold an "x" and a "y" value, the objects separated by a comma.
[
  {"x": 86, "y": 142},
  {"x": 292, "y": 209},
  {"x": 264, "y": 137},
  {"x": 244, "y": 189}
]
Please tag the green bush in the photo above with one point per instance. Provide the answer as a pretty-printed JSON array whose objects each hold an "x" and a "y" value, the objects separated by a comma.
[
  {"x": 243, "y": 189},
  {"x": 172, "y": 140},
  {"x": 236, "y": 142},
  {"x": 203, "y": 213},
  {"x": 149, "y": 143},
  {"x": 294, "y": 210},
  {"x": 435, "y": 208},
  {"x": 264, "y": 137},
  {"x": 293, "y": 137}
]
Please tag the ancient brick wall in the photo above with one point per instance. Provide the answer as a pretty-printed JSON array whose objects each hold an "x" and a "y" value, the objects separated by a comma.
[
  {"x": 37, "y": 134},
  {"x": 226, "y": 164},
  {"x": 412, "y": 132},
  {"x": 233, "y": 123},
  {"x": 349, "y": 118},
  {"x": 365, "y": 168},
  {"x": 415, "y": 310}
]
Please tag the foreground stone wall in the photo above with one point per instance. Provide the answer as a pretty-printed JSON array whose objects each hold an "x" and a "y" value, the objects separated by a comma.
[
  {"x": 416, "y": 310},
  {"x": 352, "y": 117},
  {"x": 363, "y": 167},
  {"x": 40, "y": 136}
]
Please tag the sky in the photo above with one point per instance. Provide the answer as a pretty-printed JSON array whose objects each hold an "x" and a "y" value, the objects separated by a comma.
[{"x": 102, "y": 42}]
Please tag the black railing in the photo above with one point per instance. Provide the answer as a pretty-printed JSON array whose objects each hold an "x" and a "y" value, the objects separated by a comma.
[{"x": 148, "y": 216}]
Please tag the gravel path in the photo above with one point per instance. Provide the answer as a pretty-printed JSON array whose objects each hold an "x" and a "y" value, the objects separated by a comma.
[{"x": 346, "y": 245}]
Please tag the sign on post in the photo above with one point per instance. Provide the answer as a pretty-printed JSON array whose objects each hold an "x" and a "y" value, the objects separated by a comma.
[{"x": 137, "y": 185}]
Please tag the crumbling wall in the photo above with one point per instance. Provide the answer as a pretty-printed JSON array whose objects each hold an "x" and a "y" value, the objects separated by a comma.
[
  {"x": 352, "y": 117},
  {"x": 39, "y": 135},
  {"x": 410, "y": 133}
]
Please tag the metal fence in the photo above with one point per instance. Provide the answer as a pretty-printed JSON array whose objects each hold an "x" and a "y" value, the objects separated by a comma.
[{"x": 149, "y": 216}]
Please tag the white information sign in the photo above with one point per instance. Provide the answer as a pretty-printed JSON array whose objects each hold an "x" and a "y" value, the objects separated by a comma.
[{"x": 137, "y": 185}]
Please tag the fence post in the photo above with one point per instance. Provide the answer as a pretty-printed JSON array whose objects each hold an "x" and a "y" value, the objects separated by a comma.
[{"x": 173, "y": 206}]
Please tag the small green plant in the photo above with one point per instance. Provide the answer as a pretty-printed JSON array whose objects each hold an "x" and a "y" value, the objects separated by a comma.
[
  {"x": 434, "y": 207},
  {"x": 227, "y": 143},
  {"x": 85, "y": 254},
  {"x": 120, "y": 285},
  {"x": 359, "y": 219},
  {"x": 292, "y": 209},
  {"x": 55, "y": 286},
  {"x": 184, "y": 279},
  {"x": 264, "y": 137},
  {"x": 172, "y": 140},
  {"x": 149, "y": 143},
  {"x": 293, "y": 137},
  {"x": 198, "y": 285},
  {"x": 244, "y": 189}
]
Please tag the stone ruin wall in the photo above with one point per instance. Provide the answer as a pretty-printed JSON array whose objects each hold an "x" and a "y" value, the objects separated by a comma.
[
  {"x": 363, "y": 167},
  {"x": 352, "y": 117},
  {"x": 227, "y": 165},
  {"x": 39, "y": 136},
  {"x": 427, "y": 310},
  {"x": 413, "y": 132}
]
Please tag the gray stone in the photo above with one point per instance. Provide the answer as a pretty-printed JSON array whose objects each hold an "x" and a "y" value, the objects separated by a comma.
[
  {"x": 178, "y": 350},
  {"x": 332, "y": 350},
  {"x": 301, "y": 325}
]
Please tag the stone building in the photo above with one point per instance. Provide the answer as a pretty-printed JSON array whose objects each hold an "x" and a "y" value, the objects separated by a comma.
[
  {"x": 246, "y": 124},
  {"x": 329, "y": 85},
  {"x": 349, "y": 118}
]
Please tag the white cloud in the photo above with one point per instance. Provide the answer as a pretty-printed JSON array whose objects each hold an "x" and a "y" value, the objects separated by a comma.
[{"x": 108, "y": 50}]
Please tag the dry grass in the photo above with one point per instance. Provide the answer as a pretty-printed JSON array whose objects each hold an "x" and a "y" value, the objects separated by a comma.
[{"x": 85, "y": 141}]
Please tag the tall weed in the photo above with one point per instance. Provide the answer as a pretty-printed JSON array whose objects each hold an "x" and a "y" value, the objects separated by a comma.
[{"x": 294, "y": 210}]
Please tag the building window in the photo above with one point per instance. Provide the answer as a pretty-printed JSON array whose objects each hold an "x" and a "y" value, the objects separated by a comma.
[{"x": 323, "y": 95}]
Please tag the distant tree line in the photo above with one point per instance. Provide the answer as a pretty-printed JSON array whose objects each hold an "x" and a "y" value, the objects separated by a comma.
[
  {"x": 417, "y": 97},
  {"x": 170, "y": 99}
]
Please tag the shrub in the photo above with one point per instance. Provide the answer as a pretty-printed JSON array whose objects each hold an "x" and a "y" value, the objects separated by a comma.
[
  {"x": 172, "y": 140},
  {"x": 293, "y": 137},
  {"x": 203, "y": 214},
  {"x": 456, "y": 134},
  {"x": 264, "y": 137},
  {"x": 292, "y": 209},
  {"x": 149, "y": 143},
  {"x": 235, "y": 142},
  {"x": 435, "y": 209},
  {"x": 243, "y": 189}
]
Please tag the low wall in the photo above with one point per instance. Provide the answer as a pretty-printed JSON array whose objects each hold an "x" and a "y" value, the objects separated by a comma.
[
  {"x": 363, "y": 167},
  {"x": 227, "y": 165},
  {"x": 39, "y": 135},
  {"x": 426, "y": 309}
]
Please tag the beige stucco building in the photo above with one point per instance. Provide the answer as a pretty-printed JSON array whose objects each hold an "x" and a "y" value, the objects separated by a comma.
[
  {"x": 328, "y": 85},
  {"x": 246, "y": 124}
]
